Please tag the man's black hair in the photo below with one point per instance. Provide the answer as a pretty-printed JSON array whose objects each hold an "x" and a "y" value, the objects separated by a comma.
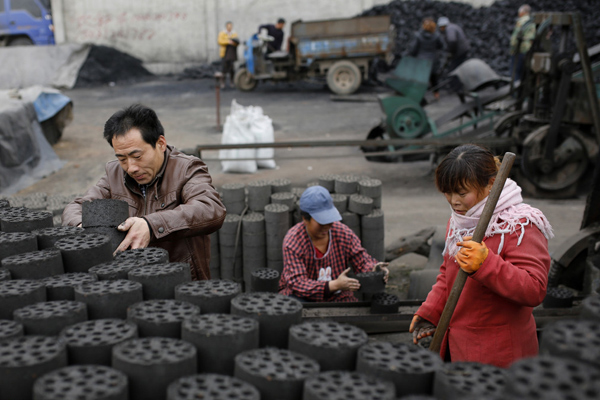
[
  {"x": 305, "y": 215},
  {"x": 135, "y": 116},
  {"x": 281, "y": 21}
]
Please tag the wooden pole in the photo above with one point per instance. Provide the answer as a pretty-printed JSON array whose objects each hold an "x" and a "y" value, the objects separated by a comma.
[{"x": 478, "y": 235}]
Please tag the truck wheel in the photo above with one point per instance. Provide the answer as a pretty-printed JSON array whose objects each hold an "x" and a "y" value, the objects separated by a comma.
[
  {"x": 343, "y": 77},
  {"x": 21, "y": 41},
  {"x": 244, "y": 80}
]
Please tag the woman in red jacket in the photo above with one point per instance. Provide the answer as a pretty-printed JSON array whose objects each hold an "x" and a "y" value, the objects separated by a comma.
[{"x": 508, "y": 272}]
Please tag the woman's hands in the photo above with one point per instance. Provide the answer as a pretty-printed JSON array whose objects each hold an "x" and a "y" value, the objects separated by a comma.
[
  {"x": 383, "y": 267},
  {"x": 343, "y": 282},
  {"x": 471, "y": 255},
  {"x": 420, "y": 328}
]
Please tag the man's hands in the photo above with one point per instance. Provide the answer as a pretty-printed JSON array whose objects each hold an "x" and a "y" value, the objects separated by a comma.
[
  {"x": 138, "y": 235},
  {"x": 383, "y": 267},
  {"x": 471, "y": 255},
  {"x": 420, "y": 328},
  {"x": 343, "y": 282}
]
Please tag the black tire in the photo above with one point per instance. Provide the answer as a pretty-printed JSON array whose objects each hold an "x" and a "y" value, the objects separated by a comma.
[
  {"x": 244, "y": 80},
  {"x": 344, "y": 77},
  {"x": 21, "y": 41}
]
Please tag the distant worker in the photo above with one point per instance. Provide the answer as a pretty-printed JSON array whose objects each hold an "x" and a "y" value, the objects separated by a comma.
[
  {"x": 318, "y": 253},
  {"x": 520, "y": 41},
  {"x": 228, "y": 42},
  {"x": 457, "y": 43},
  {"x": 426, "y": 45},
  {"x": 275, "y": 31}
]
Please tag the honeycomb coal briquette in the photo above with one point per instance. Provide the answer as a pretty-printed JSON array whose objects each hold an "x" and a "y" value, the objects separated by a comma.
[
  {"x": 211, "y": 387},
  {"x": 298, "y": 191},
  {"x": 370, "y": 188},
  {"x": 48, "y": 236},
  {"x": 56, "y": 203},
  {"x": 116, "y": 236},
  {"x": 280, "y": 185},
  {"x": 344, "y": 385},
  {"x": 264, "y": 280},
  {"x": 230, "y": 248},
  {"x": 352, "y": 221},
  {"x": 286, "y": 198},
  {"x": 384, "y": 303},
  {"x": 576, "y": 339},
  {"x": 91, "y": 342},
  {"x": 84, "y": 382},
  {"x": 26, "y": 221},
  {"x": 159, "y": 280},
  {"x": 590, "y": 308},
  {"x": 254, "y": 244},
  {"x": 340, "y": 201},
  {"x": 333, "y": 345},
  {"x": 212, "y": 296},
  {"x": 4, "y": 203},
  {"x": 151, "y": 255},
  {"x": 275, "y": 314},
  {"x": 371, "y": 281},
  {"x": 16, "y": 243},
  {"x": 10, "y": 329},
  {"x": 463, "y": 379},
  {"x": 359, "y": 204},
  {"x": 62, "y": 287},
  {"x": 4, "y": 275},
  {"x": 82, "y": 252},
  {"x": 346, "y": 184},
  {"x": 24, "y": 359},
  {"x": 218, "y": 338},
  {"x": 109, "y": 299},
  {"x": 50, "y": 317},
  {"x": 328, "y": 181},
  {"x": 558, "y": 297},
  {"x": 16, "y": 294},
  {"x": 277, "y": 223},
  {"x": 104, "y": 212},
  {"x": 161, "y": 318},
  {"x": 234, "y": 197},
  {"x": 37, "y": 264},
  {"x": 215, "y": 262},
  {"x": 259, "y": 195},
  {"x": 410, "y": 367},
  {"x": 276, "y": 373},
  {"x": 116, "y": 269},
  {"x": 151, "y": 364},
  {"x": 547, "y": 377}
]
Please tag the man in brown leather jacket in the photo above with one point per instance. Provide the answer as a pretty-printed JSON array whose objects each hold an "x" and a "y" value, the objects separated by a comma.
[{"x": 172, "y": 203}]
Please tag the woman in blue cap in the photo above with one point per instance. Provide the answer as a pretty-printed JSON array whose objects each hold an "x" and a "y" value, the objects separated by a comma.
[{"x": 318, "y": 252}]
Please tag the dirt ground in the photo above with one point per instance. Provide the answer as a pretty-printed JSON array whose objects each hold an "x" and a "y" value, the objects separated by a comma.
[{"x": 299, "y": 112}]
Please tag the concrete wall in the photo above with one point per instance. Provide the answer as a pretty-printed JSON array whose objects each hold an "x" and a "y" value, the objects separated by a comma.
[{"x": 169, "y": 35}]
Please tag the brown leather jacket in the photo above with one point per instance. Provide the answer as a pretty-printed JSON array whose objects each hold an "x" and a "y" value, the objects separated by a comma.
[{"x": 181, "y": 206}]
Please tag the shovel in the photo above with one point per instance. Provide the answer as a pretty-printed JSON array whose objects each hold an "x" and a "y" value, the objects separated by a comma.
[{"x": 478, "y": 235}]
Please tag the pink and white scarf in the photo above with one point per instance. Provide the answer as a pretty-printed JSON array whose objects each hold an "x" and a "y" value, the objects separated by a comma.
[{"x": 510, "y": 212}]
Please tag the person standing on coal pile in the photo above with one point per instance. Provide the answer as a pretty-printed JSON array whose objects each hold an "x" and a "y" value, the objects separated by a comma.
[
  {"x": 318, "y": 251},
  {"x": 521, "y": 41},
  {"x": 508, "y": 272},
  {"x": 427, "y": 43},
  {"x": 457, "y": 43},
  {"x": 275, "y": 31},
  {"x": 228, "y": 42},
  {"x": 172, "y": 202}
]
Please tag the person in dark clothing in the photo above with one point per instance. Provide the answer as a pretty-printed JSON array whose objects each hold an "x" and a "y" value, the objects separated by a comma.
[
  {"x": 457, "y": 43},
  {"x": 426, "y": 45},
  {"x": 276, "y": 31}
]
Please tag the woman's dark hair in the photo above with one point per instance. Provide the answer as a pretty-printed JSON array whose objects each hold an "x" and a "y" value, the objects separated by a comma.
[
  {"x": 134, "y": 116},
  {"x": 467, "y": 166},
  {"x": 305, "y": 215}
]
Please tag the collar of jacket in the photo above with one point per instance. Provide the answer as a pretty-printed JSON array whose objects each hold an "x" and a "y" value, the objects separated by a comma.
[{"x": 133, "y": 185}]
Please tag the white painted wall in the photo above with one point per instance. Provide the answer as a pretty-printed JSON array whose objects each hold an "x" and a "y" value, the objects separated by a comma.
[{"x": 169, "y": 35}]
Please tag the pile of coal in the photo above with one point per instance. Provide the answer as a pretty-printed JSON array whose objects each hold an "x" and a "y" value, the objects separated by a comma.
[
  {"x": 105, "y": 65},
  {"x": 201, "y": 71},
  {"x": 487, "y": 28}
]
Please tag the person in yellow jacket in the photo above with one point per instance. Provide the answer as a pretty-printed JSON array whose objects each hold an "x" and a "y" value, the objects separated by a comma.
[{"x": 228, "y": 42}]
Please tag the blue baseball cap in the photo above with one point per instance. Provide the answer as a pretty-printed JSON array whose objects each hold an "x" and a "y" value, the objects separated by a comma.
[{"x": 317, "y": 201}]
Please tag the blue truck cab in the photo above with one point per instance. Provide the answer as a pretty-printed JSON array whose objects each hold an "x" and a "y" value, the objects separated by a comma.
[{"x": 25, "y": 22}]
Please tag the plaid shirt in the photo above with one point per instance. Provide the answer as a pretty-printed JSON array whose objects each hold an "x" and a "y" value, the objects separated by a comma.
[{"x": 301, "y": 268}]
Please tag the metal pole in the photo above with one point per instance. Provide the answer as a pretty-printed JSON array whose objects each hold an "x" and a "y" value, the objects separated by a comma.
[
  {"x": 218, "y": 80},
  {"x": 478, "y": 235}
]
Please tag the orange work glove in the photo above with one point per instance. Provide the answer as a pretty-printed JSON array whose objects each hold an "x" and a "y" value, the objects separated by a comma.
[
  {"x": 420, "y": 328},
  {"x": 471, "y": 255}
]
